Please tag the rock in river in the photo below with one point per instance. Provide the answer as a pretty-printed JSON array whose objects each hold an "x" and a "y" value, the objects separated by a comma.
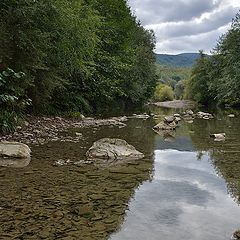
[
  {"x": 14, "y": 150},
  {"x": 14, "y": 154},
  {"x": 218, "y": 136},
  {"x": 165, "y": 126},
  {"x": 113, "y": 149}
]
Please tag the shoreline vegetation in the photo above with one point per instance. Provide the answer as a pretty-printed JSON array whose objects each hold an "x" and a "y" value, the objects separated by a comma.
[
  {"x": 72, "y": 57},
  {"x": 68, "y": 59}
]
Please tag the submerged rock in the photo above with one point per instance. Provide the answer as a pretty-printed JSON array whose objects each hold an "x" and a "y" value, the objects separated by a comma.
[
  {"x": 113, "y": 149},
  {"x": 169, "y": 119},
  {"x": 165, "y": 126},
  {"x": 14, "y": 150},
  {"x": 204, "y": 115},
  {"x": 218, "y": 136}
]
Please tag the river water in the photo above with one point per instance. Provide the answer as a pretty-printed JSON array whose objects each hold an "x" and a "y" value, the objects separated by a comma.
[{"x": 187, "y": 187}]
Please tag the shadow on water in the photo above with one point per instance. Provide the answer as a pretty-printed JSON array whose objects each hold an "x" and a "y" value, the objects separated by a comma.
[{"x": 179, "y": 191}]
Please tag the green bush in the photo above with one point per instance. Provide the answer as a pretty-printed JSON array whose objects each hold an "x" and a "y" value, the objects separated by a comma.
[
  {"x": 163, "y": 93},
  {"x": 13, "y": 99}
]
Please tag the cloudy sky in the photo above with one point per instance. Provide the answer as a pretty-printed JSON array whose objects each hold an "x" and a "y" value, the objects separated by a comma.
[{"x": 185, "y": 25}]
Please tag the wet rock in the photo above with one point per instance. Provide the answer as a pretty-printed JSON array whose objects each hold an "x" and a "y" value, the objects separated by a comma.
[
  {"x": 26, "y": 123},
  {"x": 204, "y": 115},
  {"x": 112, "y": 149},
  {"x": 14, "y": 150},
  {"x": 218, "y": 136},
  {"x": 140, "y": 116},
  {"x": 236, "y": 235},
  {"x": 165, "y": 126},
  {"x": 37, "y": 131},
  {"x": 169, "y": 119},
  {"x": 123, "y": 119},
  {"x": 178, "y": 119},
  {"x": 62, "y": 162},
  {"x": 190, "y": 112},
  {"x": 78, "y": 134}
]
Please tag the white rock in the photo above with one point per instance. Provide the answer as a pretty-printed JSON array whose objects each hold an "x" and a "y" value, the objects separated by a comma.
[
  {"x": 218, "y": 136},
  {"x": 112, "y": 149},
  {"x": 14, "y": 150}
]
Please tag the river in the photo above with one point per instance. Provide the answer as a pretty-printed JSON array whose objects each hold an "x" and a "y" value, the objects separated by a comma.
[{"x": 187, "y": 187}]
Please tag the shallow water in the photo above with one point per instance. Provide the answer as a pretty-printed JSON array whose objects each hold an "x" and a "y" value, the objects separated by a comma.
[{"x": 187, "y": 187}]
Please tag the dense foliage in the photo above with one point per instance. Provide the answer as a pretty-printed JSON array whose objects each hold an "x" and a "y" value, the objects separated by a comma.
[
  {"x": 79, "y": 55},
  {"x": 217, "y": 79},
  {"x": 174, "y": 77},
  {"x": 163, "y": 93}
]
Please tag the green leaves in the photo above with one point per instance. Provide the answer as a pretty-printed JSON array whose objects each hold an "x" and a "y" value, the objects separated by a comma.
[{"x": 79, "y": 55}]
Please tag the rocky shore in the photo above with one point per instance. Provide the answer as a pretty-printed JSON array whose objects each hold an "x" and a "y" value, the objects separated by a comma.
[{"x": 40, "y": 130}]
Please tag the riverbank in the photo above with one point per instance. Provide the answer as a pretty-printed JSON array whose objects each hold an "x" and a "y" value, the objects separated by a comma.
[
  {"x": 175, "y": 104},
  {"x": 40, "y": 130}
]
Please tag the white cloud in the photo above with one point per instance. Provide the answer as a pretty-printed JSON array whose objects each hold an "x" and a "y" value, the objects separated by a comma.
[{"x": 185, "y": 25}]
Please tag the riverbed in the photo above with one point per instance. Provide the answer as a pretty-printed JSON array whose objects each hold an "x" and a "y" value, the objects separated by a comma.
[{"x": 187, "y": 186}]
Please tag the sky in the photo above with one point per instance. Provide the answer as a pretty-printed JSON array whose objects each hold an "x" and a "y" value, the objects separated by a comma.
[{"x": 185, "y": 25}]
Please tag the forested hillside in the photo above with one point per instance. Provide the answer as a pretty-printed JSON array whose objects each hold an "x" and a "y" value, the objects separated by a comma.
[
  {"x": 179, "y": 60},
  {"x": 72, "y": 56},
  {"x": 217, "y": 79}
]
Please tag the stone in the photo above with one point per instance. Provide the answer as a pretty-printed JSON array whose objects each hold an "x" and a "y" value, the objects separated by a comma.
[
  {"x": 169, "y": 119},
  {"x": 141, "y": 116},
  {"x": 189, "y": 112},
  {"x": 14, "y": 150},
  {"x": 218, "y": 136},
  {"x": 78, "y": 134},
  {"x": 178, "y": 119},
  {"x": 123, "y": 119},
  {"x": 113, "y": 149},
  {"x": 165, "y": 126},
  {"x": 204, "y": 115}
]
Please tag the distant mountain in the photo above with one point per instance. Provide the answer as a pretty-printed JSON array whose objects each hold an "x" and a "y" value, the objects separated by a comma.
[{"x": 180, "y": 60}]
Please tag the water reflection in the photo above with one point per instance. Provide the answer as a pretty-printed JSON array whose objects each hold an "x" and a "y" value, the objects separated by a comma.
[
  {"x": 14, "y": 163},
  {"x": 188, "y": 197},
  {"x": 179, "y": 191},
  {"x": 185, "y": 200}
]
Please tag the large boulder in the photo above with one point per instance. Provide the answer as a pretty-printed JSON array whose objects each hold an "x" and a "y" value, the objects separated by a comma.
[
  {"x": 112, "y": 149},
  {"x": 14, "y": 150}
]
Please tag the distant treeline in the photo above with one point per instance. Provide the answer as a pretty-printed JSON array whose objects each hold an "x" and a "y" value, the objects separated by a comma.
[
  {"x": 73, "y": 56},
  {"x": 216, "y": 79}
]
